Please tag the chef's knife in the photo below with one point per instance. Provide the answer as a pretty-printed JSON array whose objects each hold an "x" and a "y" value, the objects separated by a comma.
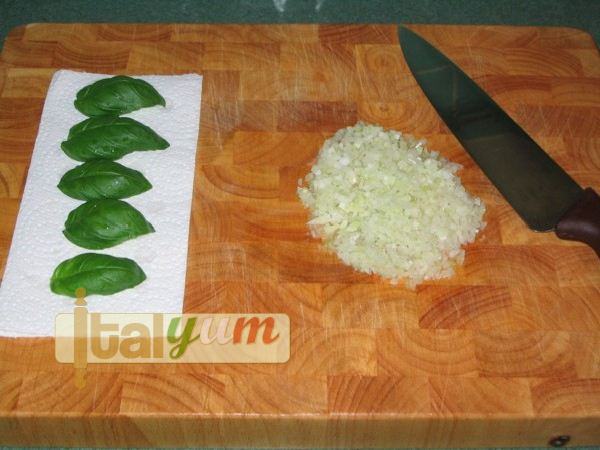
[{"x": 539, "y": 190}]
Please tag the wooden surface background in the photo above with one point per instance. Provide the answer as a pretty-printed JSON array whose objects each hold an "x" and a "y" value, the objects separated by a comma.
[{"x": 505, "y": 353}]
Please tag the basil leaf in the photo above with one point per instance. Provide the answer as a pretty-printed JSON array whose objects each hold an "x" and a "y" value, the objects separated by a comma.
[
  {"x": 97, "y": 273},
  {"x": 110, "y": 138},
  {"x": 105, "y": 223},
  {"x": 117, "y": 95},
  {"x": 101, "y": 178}
]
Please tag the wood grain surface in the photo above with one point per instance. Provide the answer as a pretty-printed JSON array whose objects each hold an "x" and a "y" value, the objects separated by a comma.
[{"x": 505, "y": 353}]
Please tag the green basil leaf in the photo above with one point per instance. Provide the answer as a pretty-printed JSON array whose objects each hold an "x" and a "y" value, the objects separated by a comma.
[
  {"x": 117, "y": 95},
  {"x": 97, "y": 274},
  {"x": 105, "y": 223},
  {"x": 101, "y": 178},
  {"x": 110, "y": 138}
]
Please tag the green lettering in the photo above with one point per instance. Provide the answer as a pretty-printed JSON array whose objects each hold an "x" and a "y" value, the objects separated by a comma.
[{"x": 182, "y": 341}]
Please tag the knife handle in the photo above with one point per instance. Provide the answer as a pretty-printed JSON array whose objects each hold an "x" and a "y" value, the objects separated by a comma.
[{"x": 582, "y": 222}]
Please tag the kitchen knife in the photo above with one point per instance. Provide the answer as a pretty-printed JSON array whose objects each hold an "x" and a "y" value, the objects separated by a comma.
[{"x": 538, "y": 189}]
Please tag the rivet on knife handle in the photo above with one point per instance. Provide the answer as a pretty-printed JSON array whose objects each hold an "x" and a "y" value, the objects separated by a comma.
[{"x": 582, "y": 222}]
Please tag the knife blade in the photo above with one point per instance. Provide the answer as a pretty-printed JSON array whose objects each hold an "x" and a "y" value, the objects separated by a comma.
[{"x": 537, "y": 188}]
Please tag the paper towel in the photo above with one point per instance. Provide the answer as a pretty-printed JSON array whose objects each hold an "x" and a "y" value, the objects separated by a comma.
[{"x": 27, "y": 306}]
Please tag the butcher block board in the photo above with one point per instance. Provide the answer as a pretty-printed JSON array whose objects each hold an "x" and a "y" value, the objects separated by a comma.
[{"x": 505, "y": 353}]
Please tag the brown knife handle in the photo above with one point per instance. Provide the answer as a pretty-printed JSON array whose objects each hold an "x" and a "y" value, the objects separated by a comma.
[{"x": 582, "y": 222}]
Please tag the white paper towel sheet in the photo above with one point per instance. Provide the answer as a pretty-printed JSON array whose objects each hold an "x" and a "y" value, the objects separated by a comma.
[{"x": 27, "y": 306}]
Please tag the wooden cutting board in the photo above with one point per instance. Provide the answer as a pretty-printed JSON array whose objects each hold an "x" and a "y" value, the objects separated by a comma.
[{"x": 506, "y": 353}]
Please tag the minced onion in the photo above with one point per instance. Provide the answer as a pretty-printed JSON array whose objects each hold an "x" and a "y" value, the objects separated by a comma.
[{"x": 386, "y": 205}]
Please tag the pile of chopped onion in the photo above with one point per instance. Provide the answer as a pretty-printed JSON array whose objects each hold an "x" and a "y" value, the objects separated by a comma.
[{"x": 386, "y": 205}]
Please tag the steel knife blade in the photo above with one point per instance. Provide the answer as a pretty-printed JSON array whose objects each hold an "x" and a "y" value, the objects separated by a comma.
[{"x": 537, "y": 188}]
